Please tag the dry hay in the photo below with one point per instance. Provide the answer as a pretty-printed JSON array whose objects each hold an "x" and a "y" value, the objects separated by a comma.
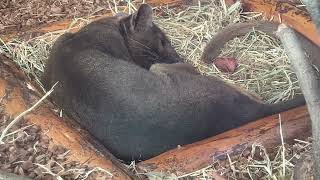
[{"x": 264, "y": 67}]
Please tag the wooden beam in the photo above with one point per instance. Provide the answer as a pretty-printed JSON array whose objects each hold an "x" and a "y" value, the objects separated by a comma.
[
  {"x": 189, "y": 158},
  {"x": 287, "y": 13}
]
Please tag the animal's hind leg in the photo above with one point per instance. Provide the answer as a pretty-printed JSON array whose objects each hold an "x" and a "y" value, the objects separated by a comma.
[{"x": 173, "y": 68}]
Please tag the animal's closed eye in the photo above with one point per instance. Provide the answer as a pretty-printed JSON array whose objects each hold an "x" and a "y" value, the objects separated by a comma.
[{"x": 163, "y": 43}]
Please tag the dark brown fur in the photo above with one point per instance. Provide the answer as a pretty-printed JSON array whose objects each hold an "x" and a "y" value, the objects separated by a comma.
[{"x": 106, "y": 85}]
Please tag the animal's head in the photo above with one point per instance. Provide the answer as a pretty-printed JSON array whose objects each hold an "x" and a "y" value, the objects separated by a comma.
[{"x": 146, "y": 42}]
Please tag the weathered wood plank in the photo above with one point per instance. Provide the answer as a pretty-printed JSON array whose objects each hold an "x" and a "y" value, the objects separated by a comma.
[{"x": 189, "y": 158}]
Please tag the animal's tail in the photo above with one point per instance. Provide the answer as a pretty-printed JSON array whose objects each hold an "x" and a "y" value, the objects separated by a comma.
[
  {"x": 215, "y": 45},
  {"x": 284, "y": 106},
  {"x": 213, "y": 48}
]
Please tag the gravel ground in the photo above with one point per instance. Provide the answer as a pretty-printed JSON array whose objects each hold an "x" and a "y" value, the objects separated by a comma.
[{"x": 28, "y": 151}]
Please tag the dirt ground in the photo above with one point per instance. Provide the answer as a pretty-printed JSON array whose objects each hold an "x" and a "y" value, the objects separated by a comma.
[
  {"x": 16, "y": 15},
  {"x": 21, "y": 14}
]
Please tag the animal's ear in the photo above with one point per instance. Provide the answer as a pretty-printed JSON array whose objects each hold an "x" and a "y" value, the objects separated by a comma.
[
  {"x": 143, "y": 19},
  {"x": 140, "y": 20},
  {"x": 128, "y": 23}
]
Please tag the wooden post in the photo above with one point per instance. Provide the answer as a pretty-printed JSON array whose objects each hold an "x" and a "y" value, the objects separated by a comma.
[
  {"x": 309, "y": 81},
  {"x": 313, "y": 7}
]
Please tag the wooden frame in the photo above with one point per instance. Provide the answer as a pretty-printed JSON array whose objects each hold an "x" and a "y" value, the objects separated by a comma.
[{"x": 188, "y": 158}]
